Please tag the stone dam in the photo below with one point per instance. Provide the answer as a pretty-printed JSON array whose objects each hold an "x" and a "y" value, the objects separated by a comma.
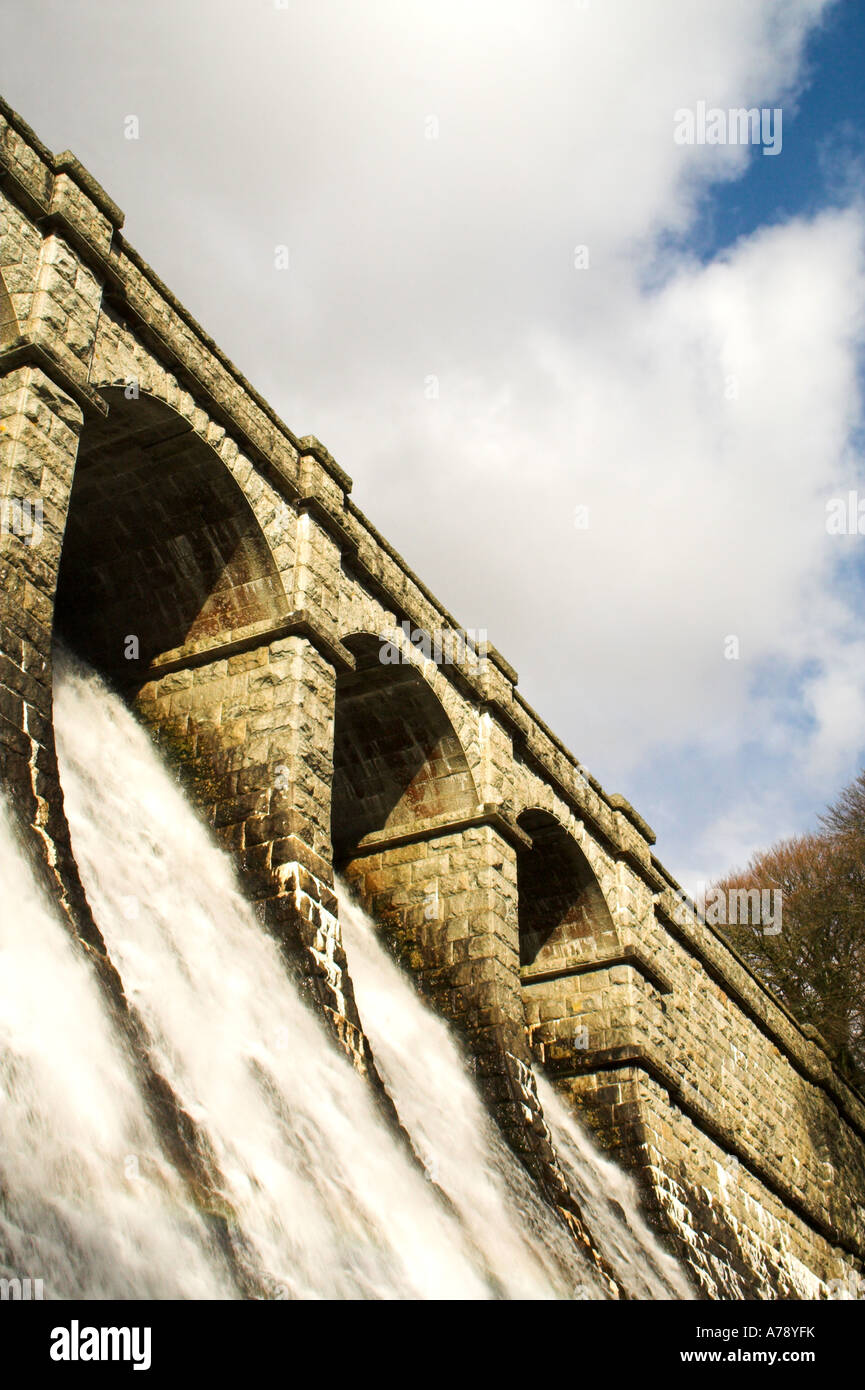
[{"x": 163, "y": 522}]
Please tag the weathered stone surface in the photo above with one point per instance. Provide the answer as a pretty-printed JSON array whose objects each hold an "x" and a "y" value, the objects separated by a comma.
[{"x": 215, "y": 566}]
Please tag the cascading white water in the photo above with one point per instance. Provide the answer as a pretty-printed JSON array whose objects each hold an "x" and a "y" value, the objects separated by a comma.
[
  {"x": 326, "y": 1201},
  {"x": 524, "y": 1245},
  {"x": 425, "y": 1073},
  {"x": 610, "y": 1205},
  {"x": 88, "y": 1204}
]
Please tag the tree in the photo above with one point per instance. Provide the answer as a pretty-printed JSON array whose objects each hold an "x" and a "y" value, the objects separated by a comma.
[
  {"x": 847, "y": 814},
  {"x": 816, "y": 963}
]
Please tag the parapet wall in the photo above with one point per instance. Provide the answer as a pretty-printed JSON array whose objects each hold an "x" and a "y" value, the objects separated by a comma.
[{"x": 177, "y": 510}]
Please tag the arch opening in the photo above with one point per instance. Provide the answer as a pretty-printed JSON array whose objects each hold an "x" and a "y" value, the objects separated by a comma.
[
  {"x": 562, "y": 910},
  {"x": 402, "y": 791},
  {"x": 397, "y": 759},
  {"x": 160, "y": 544}
]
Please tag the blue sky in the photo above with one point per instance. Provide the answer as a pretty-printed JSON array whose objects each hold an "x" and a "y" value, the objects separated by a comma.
[
  {"x": 697, "y": 386},
  {"x": 824, "y": 140},
  {"x": 822, "y": 165}
]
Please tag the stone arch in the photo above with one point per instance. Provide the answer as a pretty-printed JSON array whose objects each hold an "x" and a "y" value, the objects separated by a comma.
[
  {"x": 398, "y": 762},
  {"x": 160, "y": 544},
  {"x": 535, "y": 795},
  {"x": 563, "y": 913},
  {"x": 406, "y": 834},
  {"x": 364, "y": 618},
  {"x": 434, "y": 869},
  {"x": 8, "y": 320},
  {"x": 121, "y": 361}
]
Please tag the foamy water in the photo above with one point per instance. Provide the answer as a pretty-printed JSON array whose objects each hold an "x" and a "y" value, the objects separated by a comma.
[
  {"x": 426, "y": 1074},
  {"x": 324, "y": 1200},
  {"x": 88, "y": 1203}
]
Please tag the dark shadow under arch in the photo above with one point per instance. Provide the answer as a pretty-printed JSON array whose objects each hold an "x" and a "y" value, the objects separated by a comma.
[
  {"x": 561, "y": 903},
  {"x": 397, "y": 758},
  {"x": 160, "y": 542}
]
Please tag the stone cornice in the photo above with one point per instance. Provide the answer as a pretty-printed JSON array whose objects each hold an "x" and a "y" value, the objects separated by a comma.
[
  {"x": 436, "y": 827},
  {"x": 297, "y": 624},
  {"x": 26, "y": 351},
  {"x": 629, "y": 956},
  {"x": 67, "y": 163}
]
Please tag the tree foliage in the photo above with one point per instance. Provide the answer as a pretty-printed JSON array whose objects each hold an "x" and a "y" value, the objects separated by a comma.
[{"x": 816, "y": 963}]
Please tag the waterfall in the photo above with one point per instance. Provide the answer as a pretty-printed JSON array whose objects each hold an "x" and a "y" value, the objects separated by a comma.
[
  {"x": 324, "y": 1200},
  {"x": 88, "y": 1203},
  {"x": 426, "y": 1074}
]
